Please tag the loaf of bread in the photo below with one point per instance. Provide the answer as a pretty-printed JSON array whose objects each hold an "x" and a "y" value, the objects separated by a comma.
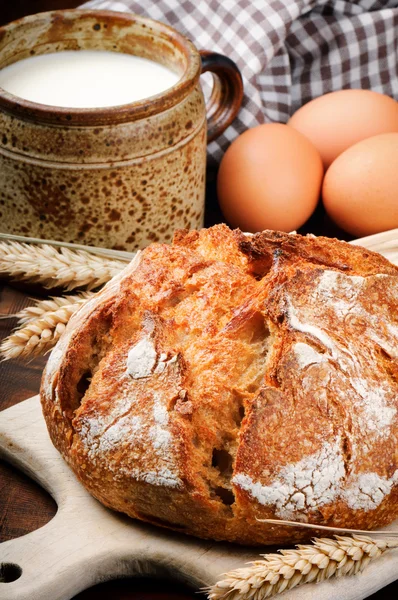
[{"x": 228, "y": 378}]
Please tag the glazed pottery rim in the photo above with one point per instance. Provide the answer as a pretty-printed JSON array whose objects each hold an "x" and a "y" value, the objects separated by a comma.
[{"x": 122, "y": 113}]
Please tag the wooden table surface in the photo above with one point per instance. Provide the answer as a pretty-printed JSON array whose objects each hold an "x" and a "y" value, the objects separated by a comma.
[{"x": 25, "y": 506}]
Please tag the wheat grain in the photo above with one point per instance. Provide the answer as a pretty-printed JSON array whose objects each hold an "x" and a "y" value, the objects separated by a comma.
[
  {"x": 278, "y": 572},
  {"x": 42, "y": 326},
  {"x": 56, "y": 267},
  {"x": 42, "y": 307}
]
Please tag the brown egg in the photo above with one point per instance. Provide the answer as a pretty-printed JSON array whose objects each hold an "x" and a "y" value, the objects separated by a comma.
[
  {"x": 360, "y": 189},
  {"x": 269, "y": 178},
  {"x": 338, "y": 120}
]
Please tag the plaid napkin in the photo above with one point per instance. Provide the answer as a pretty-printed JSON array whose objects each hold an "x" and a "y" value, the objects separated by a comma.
[{"x": 289, "y": 51}]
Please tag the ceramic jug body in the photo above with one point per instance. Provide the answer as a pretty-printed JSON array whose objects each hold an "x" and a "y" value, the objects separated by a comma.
[{"x": 120, "y": 176}]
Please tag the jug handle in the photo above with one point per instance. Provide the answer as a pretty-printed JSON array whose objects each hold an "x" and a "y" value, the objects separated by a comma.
[{"x": 227, "y": 93}]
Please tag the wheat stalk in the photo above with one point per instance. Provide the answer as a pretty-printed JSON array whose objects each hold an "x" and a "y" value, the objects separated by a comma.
[
  {"x": 42, "y": 326},
  {"x": 278, "y": 572},
  {"x": 56, "y": 267},
  {"x": 299, "y": 524}
]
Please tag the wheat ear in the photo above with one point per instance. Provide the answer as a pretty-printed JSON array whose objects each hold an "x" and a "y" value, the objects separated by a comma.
[
  {"x": 56, "y": 267},
  {"x": 51, "y": 305},
  {"x": 315, "y": 562},
  {"x": 42, "y": 326}
]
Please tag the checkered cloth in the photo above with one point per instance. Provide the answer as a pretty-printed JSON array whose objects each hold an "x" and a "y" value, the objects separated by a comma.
[{"x": 289, "y": 51}]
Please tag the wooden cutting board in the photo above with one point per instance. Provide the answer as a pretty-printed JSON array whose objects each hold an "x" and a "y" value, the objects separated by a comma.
[{"x": 85, "y": 543}]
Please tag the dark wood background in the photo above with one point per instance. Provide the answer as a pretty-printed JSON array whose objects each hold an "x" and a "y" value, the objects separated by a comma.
[
  {"x": 25, "y": 506},
  {"x": 14, "y": 9}
]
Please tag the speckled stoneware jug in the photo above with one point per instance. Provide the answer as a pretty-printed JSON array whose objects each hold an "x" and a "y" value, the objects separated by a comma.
[{"x": 119, "y": 177}]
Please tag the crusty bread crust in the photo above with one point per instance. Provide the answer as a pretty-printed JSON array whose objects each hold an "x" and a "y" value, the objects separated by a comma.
[{"x": 228, "y": 378}]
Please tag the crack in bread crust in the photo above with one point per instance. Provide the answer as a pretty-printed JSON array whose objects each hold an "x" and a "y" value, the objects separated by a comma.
[{"x": 234, "y": 378}]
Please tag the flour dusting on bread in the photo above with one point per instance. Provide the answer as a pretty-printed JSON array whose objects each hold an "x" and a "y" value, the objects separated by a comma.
[
  {"x": 307, "y": 355},
  {"x": 375, "y": 404},
  {"x": 368, "y": 491},
  {"x": 336, "y": 300},
  {"x": 305, "y": 485},
  {"x": 125, "y": 430},
  {"x": 307, "y": 327},
  {"x": 141, "y": 359},
  {"x": 104, "y": 434},
  {"x": 159, "y": 433},
  {"x": 104, "y": 438},
  {"x": 163, "y": 477}
]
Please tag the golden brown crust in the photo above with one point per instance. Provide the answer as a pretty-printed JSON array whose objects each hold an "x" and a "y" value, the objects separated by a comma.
[{"x": 229, "y": 377}]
